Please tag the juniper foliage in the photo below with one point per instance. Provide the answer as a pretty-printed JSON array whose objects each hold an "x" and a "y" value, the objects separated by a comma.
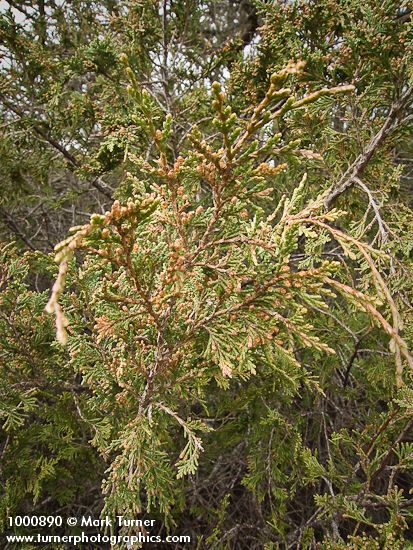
[{"x": 233, "y": 328}]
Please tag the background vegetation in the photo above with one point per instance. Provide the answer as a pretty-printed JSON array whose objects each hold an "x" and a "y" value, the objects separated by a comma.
[{"x": 221, "y": 339}]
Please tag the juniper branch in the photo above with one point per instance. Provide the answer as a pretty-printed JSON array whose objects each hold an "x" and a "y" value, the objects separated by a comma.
[{"x": 356, "y": 169}]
